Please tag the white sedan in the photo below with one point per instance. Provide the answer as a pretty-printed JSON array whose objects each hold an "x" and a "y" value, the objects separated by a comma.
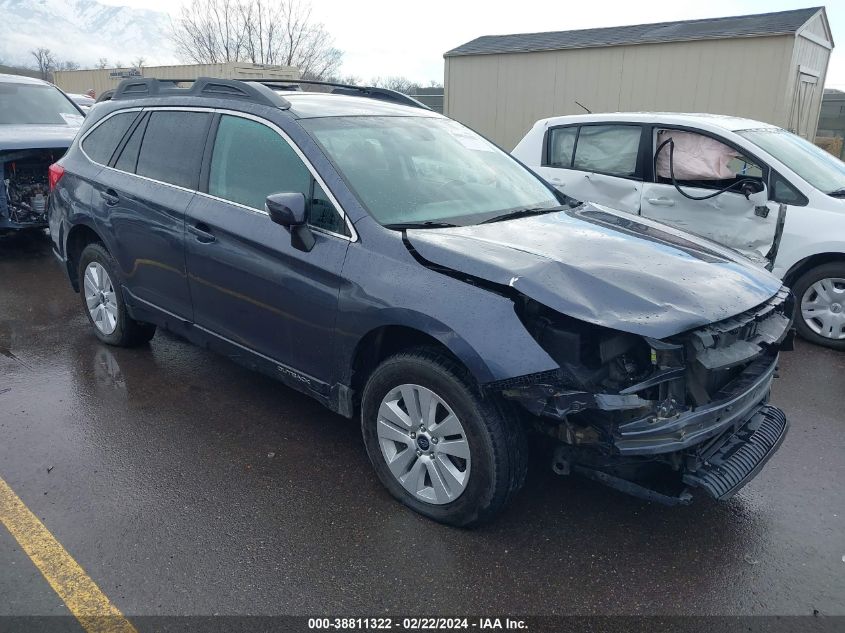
[{"x": 757, "y": 188}]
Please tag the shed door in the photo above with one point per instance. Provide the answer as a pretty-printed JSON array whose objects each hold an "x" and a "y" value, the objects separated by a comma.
[{"x": 803, "y": 102}]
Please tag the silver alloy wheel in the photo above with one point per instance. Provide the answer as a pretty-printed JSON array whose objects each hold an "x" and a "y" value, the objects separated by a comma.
[
  {"x": 823, "y": 308},
  {"x": 424, "y": 444},
  {"x": 100, "y": 298}
]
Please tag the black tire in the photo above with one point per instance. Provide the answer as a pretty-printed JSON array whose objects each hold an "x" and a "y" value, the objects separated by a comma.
[
  {"x": 128, "y": 332},
  {"x": 800, "y": 287},
  {"x": 495, "y": 436}
]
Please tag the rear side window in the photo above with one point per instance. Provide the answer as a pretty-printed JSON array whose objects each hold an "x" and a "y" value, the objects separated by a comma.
[
  {"x": 251, "y": 161},
  {"x": 171, "y": 150},
  {"x": 100, "y": 144},
  {"x": 608, "y": 149}
]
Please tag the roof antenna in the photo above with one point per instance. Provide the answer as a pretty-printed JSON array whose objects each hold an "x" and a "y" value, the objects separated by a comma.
[{"x": 585, "y": 107}]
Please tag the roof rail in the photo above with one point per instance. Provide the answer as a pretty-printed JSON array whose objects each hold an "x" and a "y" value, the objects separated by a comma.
[
  {"x": 141, "y": 87},
  {"x": 384, "y": 94},
  {"x": 264, "y": 90}
]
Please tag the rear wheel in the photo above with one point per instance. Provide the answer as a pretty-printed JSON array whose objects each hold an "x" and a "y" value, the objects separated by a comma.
[
  {"x": 820, "y": 317},
  {"x": 104, "y": 303},
  {"x": 436, "y": 444}
]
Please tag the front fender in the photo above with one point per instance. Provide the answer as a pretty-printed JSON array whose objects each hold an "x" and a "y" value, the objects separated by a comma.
[{"x": 387, "y": 286}]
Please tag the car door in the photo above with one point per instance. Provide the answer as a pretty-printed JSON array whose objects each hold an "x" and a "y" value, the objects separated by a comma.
[
  {"x": 703, "y": 165},
  {"x": 248, "y": 284},
  {"x": 595, "y": 163},
  {"x": 141, "y": 199}
]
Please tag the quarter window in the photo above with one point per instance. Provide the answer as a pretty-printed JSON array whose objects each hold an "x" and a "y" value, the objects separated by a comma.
[
  {"x": 322, "y": 213},
  {"x": 100, "y": 144},
  {"x": 608, "y": 149},
  {"x": 128, "y": 159},
  {"x": 561, "y": 144},
  {"x": 171, "y": 150}
]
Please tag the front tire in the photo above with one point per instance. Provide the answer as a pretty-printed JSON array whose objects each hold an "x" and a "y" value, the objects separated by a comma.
[
  {"x": 103, "y": 302},
  {"x": 436, "y": 444},
  {"x": 820, "y": 312}
]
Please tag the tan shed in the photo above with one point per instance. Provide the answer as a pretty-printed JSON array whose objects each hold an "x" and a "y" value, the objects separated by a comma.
[
  {"x": 100, "y": 80},
  {"x": 769, "y": 67}
]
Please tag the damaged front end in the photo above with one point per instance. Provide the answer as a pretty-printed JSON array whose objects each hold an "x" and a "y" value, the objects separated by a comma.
[
  {"x": 655, "y": 417},
  {"x": 24, "y": 187}
]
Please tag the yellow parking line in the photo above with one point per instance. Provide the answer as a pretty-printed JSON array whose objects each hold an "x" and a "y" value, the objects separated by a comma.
[{"x": 79, "y": 592}]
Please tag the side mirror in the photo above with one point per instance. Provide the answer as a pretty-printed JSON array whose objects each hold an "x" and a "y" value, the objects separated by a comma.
[
  {"x": 758, "y": 198},
  {"x": 288, "y": 210}
]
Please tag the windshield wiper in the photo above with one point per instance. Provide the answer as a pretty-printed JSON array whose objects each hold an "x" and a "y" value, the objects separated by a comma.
[
  {"x": 521, "y": 213},
  {"x": 837, "y": 193},
  {"x": 428, "y": 224}
]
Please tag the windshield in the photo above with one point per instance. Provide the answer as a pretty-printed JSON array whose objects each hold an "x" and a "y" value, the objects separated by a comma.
[
  {"x": 413, "y": 170},
  {"x": 36, "y": 104},
  {"x": 823, "y": 171}
]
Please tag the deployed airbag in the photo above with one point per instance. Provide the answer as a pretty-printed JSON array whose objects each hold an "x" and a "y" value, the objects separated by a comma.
[{"x": 696, "y": 157}]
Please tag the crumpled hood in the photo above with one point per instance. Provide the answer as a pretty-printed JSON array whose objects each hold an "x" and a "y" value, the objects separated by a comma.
[
  {"x": 605, "y": 267},
  {"x": 36, "y": 136}
]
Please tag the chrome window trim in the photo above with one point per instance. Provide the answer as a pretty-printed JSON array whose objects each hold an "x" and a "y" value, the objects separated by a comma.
[{"x": 353, "y": 234}]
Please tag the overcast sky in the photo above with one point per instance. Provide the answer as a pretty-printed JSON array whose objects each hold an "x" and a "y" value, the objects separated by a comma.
[{"x": 390, "y": 37}]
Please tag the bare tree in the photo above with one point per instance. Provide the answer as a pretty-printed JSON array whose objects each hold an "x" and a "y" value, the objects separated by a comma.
[
  {"x": 102, "y": 63},
  {"x": 400, "y": 84},
  {"x": 273, "y": 32},
  {"x": 305, "y": 43},
  {"x": 139, "y": 62},
  {"x": 118, "y": 64},
  {"x": 67, "y": 65},
  {"x": 210, "y": 32},
  {"x": 45, "y": 62}
]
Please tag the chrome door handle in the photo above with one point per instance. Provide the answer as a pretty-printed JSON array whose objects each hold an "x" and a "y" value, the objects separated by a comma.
[{"x": 661, "y": 202}]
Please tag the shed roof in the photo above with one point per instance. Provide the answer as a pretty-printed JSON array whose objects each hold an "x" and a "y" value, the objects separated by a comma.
[{"x": 778, "y": 23}]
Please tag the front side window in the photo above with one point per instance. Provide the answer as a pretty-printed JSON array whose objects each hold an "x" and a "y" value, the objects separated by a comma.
[
  {"x": 426, "y": 169},
  {"x": 251, "y": 161},
  {"x": 171, "y": 150},
  {"x": 608, "y": 149},
  {"x": 822, "y": 170},
  {"x": 700, "y": 160},
  {"x": 36, "y": 104},
  {"x": 100, "y": 144}
]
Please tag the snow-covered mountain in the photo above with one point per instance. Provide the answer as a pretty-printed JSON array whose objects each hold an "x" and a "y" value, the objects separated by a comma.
[{"x": 83, "y": 31}]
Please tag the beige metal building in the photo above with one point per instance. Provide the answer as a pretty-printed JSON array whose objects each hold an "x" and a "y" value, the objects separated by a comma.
[
  {"x": 769, "y": 67},
  {"x": 80, "y": 81}
]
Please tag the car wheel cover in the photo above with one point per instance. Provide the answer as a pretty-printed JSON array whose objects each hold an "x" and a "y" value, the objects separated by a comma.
[
  {"x": 823, "y": 308},
  {"x": 100, "y": 298},
  {"x": 423, "y": 444}
]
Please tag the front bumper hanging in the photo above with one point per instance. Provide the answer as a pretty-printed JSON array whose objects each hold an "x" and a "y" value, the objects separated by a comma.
[{"x": 725, "y": 469}]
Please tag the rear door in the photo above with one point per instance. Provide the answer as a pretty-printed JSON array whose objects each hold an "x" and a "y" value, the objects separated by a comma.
[
  {"x": 705, "y": 164},
  {"x": 595, "y": 163},
  {"x": 141, "y": 199},
  {"x": 248, "y": 283}
]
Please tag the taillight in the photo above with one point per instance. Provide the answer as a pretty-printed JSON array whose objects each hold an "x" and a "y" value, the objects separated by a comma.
[{"x": 55, "y": 174}]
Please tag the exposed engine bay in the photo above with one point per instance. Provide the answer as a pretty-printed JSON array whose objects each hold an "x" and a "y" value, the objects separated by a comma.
[{"x": 24, "y": 187}]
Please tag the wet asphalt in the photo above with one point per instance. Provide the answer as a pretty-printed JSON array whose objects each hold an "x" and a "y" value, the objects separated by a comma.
[{"x": 184, "y": 484}]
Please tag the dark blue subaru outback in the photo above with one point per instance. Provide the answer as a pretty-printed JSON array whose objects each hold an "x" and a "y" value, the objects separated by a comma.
[{"x": 396, "y": 266}]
